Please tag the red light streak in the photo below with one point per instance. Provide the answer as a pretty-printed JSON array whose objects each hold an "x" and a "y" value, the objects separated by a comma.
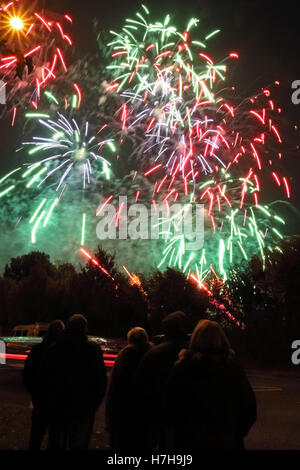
[
  {"x": 152, "y": 169},
  {"x": 276, "y": 178},
  {"x": 32, "y": 51},
  {"x": 149, "y": 47},
  {"x": 78, "y": 93},
  {"x": 256, "y": 155},
  {"x": 22, "y": 357},
  {"x": 62, "y": 59},
  {"x": 7, "y": 6},
  {"x": 116, "y": 54},
  {"x": 161, "y": 183},
  {"x": 119, "y": 214},
  {"x": 124, "y": 116},
  {"x": 113, "y": 86},
  {"x": 14, "y": 116},
  {"x": 68, "y": 39},
  {"x": 276, "y": 133},
  {"x": 261, "y": 118},
  {"x": 214, "y": 301},
  {"x": 29, "y": 29},
  {"x": 104, "y": 204},
  {"x": 95, "y": 262},
  {"x": 287, "y": 187},
  {"x": 207, "y": 58},
  {"x": 43, "y": 21}
]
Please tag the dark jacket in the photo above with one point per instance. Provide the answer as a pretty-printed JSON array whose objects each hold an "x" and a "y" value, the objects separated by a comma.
[
  {"x": 209, "y": 403},
  {"x": 121, "y": 401},
  {"x": 150, "y": 380},
  {"x": 74, "y": 377},
  {"x": 153, "y": 371},
  {"x": 32, "y": 371}
]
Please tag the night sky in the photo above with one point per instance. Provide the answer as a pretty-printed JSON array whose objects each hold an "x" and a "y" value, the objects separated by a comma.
[{"x": 265, "y": 33}]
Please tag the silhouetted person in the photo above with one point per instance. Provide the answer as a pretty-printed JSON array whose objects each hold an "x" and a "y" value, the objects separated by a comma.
[
  {"x": 209, "y": 402},
  {"x": 22, "y": 61},
  {"x": 20, "y": 64},
  {"x": 121, "y": 404},
  {"x": 75, "y": 378},
  {"x": 33, "y": 383},
  {"x": 151, "y": 377},
  {"x": 29, "y": 63}
]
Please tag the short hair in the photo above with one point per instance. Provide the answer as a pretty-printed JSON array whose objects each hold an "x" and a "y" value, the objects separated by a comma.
[
  {"x": 208, "y": 335},
  {"x": 137, "y": 336},
  {"x": 55, "y": 330},
  {"x": 174, "y": 324},
  {"x": 77, "y": 325}
]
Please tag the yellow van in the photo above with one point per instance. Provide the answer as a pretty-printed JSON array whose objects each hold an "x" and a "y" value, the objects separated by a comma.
[{"x": 32, "y": 331}]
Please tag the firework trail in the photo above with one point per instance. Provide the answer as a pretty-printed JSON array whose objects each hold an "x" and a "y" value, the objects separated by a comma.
[
  {"x": 66, "y": 155},
  {"x": 32, "y": 53},
  {"x": 196, "y": 141},
  {"x": 176, "y": 131}
]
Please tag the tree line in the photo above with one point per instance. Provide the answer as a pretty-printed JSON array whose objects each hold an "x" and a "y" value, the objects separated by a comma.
[{"x": 262, "y": 296}]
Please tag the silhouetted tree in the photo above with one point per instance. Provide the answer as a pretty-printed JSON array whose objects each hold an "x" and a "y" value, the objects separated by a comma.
[
  {"x": 262, "y": 296},
  {"x": 21, "y": 267},
  {"x": 170, "y": 291}
]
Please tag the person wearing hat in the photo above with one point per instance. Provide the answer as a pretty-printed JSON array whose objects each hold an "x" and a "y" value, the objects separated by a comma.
[{"x": 152, "y": 374}]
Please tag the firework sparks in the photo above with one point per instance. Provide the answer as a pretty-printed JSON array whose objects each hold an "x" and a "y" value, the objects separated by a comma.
[{"x": 31, "y": 54}]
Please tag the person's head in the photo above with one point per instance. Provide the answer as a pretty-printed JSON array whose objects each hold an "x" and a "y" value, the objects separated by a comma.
[
  {"x": 138, "y": 337},
  {"x": 174, "y": 325},
  {"x": 77, "y": 326},
  {"x": 54, "y": 331},
  {"x": 209, "y": 336}
]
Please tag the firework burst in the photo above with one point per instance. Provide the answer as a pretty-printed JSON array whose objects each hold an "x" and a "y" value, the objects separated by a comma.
[
  {"x": 32, "y": 53},
  {"x": 196, "y": 141},
  {"x": 66, "y": 155}
]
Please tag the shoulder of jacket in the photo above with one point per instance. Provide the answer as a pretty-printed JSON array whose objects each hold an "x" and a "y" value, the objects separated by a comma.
[
  {"x": 95, "y": 347},
  {"x": 127, "y": 351}
]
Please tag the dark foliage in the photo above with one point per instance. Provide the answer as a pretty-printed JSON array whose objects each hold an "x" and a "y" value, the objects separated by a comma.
[
  {"x": 170, "y": 291},
  {"x": 264, "y": 299}
]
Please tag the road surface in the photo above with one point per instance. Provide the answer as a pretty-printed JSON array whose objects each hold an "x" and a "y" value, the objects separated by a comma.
[{"x": 278, "y": 402}]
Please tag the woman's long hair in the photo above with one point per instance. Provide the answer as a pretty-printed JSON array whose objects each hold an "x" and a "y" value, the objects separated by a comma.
[{"x": 208, "y": 336}]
